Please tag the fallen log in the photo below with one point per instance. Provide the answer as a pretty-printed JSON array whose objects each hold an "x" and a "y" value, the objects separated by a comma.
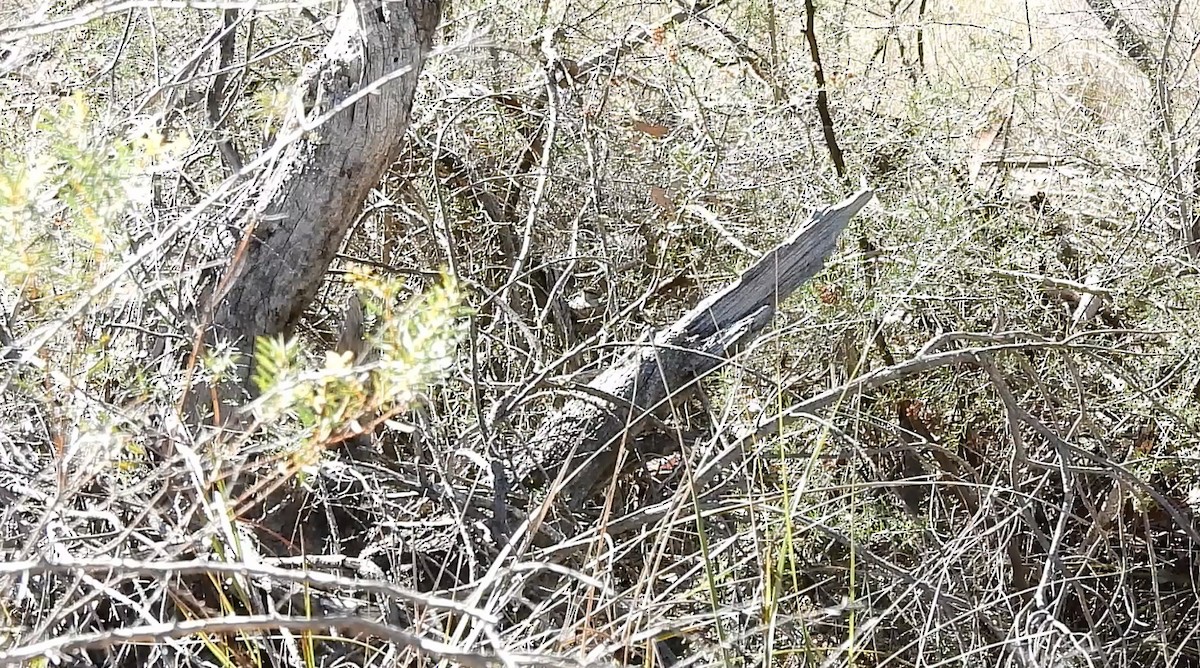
[{"x": 579, "y": 443}]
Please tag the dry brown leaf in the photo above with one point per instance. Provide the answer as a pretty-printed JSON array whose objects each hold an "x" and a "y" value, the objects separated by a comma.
[
  {"x": 662, "y": 198},
  {"x": 980, "y": 145},
  {"x": 656, "y": 131}
]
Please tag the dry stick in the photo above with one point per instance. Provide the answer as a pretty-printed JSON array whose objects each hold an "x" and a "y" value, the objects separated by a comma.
[
  {"x": 926, "y": 360},
  {"x": 98, "y": 10},
  {"x": 810, "y": 33},
  {"x": 1127, "y": 38},
  {"x": 921, "y": 37},
  {"x": 593, "y": 64},
  {"x": 577, "y": 441},
  {"x": 1171, "y": 138},
  {"x": 1053, "y": 562},
  {"x": 773, "y": 37},
  {"x": 584, "y": 431},
  {"x": 1137, "y": 50},
  {"x": 1117, "y": 470},
  {"x": 744, "y": 52},
  {"x": 152, "y": 633},
  {"x": 218, "y": 91},
  {"x": 201, "y": 567},
  {"x": 545, "y": 163}
]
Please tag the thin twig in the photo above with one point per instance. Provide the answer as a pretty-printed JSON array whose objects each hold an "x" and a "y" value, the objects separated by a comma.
[
  {"x": 193, "y": 567},
  {"x": 56, "y": 648},
  {"x": 831, "y": 143}
]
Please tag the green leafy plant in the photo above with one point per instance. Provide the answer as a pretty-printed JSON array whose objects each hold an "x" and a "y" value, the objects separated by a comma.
[
  {"x": 62, "y": 206},
  {"x": 413, "y": 343}
]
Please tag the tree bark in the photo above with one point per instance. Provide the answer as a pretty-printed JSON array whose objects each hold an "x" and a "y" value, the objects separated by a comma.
[
  {"x": 312, "y": 194},
  {"x": 581, "y": 440},
  {"x": 1127, "y": 37}
]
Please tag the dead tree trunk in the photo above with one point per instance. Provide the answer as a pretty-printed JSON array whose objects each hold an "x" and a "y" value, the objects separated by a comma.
[
  {"x": 310, "y": 196},
  {"x": 581, "y": 439}
]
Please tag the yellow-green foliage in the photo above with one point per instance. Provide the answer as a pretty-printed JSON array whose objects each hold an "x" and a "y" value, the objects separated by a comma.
[
  {"x": 414, "y": 343},
  {"x": 62, "y": 202}
]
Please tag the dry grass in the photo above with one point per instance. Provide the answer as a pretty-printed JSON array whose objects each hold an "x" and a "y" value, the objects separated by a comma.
[{"x": 1027, "y": 500}]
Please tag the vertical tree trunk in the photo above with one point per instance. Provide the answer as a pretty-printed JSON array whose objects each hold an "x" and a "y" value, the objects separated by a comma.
[{"x": 312, "y": 194}]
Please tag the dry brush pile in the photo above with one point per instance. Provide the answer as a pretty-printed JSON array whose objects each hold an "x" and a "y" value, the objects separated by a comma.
[{"x": 970, "y": 438}]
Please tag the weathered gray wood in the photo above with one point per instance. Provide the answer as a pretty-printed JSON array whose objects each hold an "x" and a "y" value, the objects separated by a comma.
[
  {"x": 584, "y": 434},
  {"x": 310, "y": 197}
]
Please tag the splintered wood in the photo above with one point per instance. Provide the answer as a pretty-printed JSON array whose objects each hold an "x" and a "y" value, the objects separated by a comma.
[{"x": 579, "y": 443}]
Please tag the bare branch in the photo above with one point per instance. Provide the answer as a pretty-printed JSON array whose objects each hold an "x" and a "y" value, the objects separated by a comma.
[
  {"x": 164, "y": 568},
  {"x": 56, "y": 648}
]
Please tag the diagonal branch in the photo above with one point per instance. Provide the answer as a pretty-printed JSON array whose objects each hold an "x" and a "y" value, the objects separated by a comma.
[
  {"x": 810, "y": 33},
  {"x": 55, "y": 648},
  {"x": 311, "y": 197},
  {"x": 580, "y": 439}
]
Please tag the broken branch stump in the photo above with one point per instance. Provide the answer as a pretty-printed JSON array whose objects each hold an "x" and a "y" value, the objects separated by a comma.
[{"x": 579, "y": 441}]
